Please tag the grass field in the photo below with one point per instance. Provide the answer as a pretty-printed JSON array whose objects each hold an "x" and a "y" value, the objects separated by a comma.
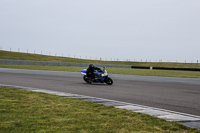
[
  {"x": 26, "y": 111},
  {"x": 146, "y": 72},
  {"x": 37, "y": 57}
]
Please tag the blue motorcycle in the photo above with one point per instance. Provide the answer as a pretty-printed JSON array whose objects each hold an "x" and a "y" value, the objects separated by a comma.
[{"x": 101, "y": 76}]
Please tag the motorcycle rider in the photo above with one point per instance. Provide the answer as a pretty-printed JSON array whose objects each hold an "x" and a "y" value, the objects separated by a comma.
[{"x": 90, "y": 71}]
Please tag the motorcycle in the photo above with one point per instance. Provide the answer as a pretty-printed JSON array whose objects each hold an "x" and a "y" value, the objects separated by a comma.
[{"x": 101, "y": 76}]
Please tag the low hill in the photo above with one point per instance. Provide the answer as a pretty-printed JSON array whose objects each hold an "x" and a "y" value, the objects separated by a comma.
[{"x": 38, "y": 57}]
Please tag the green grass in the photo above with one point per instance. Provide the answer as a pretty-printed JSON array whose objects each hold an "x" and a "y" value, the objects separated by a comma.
[
  {"x": 164, "y": 73},
  {"x": 26, "y": 111},
  {"x": 37, "y": 57}
]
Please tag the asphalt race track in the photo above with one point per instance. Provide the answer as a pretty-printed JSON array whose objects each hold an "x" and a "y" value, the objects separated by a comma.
[{"x": 176, "y": 94}]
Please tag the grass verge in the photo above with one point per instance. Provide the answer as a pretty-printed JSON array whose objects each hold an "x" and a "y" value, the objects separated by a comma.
[
  {"x": 26, "y": 111},
  {"x": 145, "y": 72},
  {"x": 38, "y": 57}
]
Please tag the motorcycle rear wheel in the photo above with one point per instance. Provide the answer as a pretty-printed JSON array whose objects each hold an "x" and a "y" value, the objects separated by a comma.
[{"x": 87, "y": 80}]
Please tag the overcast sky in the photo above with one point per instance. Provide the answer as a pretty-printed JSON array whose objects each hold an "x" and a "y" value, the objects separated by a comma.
[{"x": 108, "y": 29}]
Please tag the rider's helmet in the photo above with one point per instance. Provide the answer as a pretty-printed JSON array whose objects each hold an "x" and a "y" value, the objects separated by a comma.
[{"x": 91, "y": 66}]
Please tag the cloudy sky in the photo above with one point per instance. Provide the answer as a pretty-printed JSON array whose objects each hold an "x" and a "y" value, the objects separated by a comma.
[{"x": 152, "y": 30}]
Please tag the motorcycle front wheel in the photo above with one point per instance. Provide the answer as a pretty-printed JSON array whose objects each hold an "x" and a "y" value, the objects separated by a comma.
[{"x": 109, "y": 81}]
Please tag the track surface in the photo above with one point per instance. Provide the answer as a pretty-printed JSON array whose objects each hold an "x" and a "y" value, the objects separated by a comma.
[{"x": 176, "y": 94}]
